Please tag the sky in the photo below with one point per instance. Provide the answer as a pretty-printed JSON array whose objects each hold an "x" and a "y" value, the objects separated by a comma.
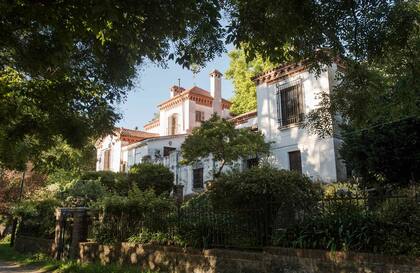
[{"x": 153, "y": 84}]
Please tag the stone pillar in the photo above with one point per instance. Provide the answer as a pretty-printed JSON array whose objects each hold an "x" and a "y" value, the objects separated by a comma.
[
  {"x": 79, "y": 232},
  {"x": 57, "y": 248}
]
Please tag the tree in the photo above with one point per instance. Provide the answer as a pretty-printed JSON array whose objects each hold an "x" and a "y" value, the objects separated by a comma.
[
  {"x": 379, "y": 42},
  {"x": 148, "y": 176},
  {"x": 241, "y": 72},
  {"x": 386, "y": 154},
  {"x": 219, "y": 138},
  {"x": 61, "y": 74}
]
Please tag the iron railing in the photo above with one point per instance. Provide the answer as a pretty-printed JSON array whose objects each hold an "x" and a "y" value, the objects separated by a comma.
[{"x": 251, "y": 228}]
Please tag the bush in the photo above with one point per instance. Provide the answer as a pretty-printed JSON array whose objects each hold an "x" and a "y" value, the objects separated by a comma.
[
  {"x": 392, "y": 227},
  {"x": 122, "y": 217},
  {"x": 115, "y": 183},
  {"x": 146, "y": 236},
  {"x": 339, "y": 226},
  {"x": 152, "y": 176},
  {"x": 399, "y": 222},
  {"x": 265, "y": 188},
  {"x": 36, "y": 217},
  {"x": 82, "y": 193}
]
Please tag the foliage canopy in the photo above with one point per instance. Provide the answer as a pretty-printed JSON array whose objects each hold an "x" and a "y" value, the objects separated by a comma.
[
  {"x": 148, "y": 176},
  {"x": 219, "y": 138},
  {"x": 241, "y": 72},
  {"x": 60, "y": 74}
]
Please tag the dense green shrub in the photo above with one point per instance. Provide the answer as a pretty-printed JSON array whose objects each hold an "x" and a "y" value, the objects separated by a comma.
[
  {"x": 347, "y": 224},
  {"x": 36, "y": 217},
  {"x": 338, "y": 226},
  {"x": 145, "y": 236},
  {"x": 399, "y": 226},
  {"x": 265, "y": 188},
  {"x": 82, "y": 193},
  {"x": 122, "y": 217},
  {"x": 152, "y": 176},
  {"x": 115, "y": 183}
]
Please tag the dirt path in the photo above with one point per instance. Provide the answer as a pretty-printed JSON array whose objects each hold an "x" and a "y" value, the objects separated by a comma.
[{"x": 11, "y": 267}]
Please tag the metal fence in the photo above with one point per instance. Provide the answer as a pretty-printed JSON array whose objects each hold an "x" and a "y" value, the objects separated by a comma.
[{"x": 207, "y": 227}]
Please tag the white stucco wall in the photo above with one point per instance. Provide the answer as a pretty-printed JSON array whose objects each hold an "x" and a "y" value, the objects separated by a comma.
[
  {"x": 113, "y": 144},
  {"x": 318, "y": 155},
  {"x": 250, "y": 123}
]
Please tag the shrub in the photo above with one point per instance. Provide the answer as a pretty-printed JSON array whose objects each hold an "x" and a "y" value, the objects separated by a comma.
[
  {"x": 152, "y": 176},
  {"x": 392, "y": 227},
  {"x": 146, "y": 236},
  {"x": 122, "y": 217},
  {"x": 339, "y": 226},
  {"x": 36, "y": 217},
  {"x": 399, "y": 221},
  {"x": 115, "y": 183},
  {"x": 265, "y": 188},
  {"x": 82, "y": 193}
]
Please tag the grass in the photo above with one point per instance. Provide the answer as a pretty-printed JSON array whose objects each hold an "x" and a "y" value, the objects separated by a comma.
[{"x": 47, "y": 264}]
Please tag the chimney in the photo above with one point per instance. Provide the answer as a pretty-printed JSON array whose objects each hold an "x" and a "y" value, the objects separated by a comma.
[
  {"x": 216, "y": 91},
  {"x": 176, "y": 90}
]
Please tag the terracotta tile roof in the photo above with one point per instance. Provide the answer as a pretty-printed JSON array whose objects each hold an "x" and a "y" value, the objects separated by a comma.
[
  {"x": 242, "y": 118},
  {"x": 289, "y": 69},
  {"x": 135, "y": 133},
  {"x": 132, "y": 136},
  {"x": 152, "y": 124},
  {"x": 195, "y": 90}
]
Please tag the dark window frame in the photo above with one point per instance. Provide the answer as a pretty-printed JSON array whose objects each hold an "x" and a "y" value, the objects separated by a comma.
[
  {"x": 198, "y": 174},
  {"x": 199, "y": 116},
  {"x": 290, "y": 103},
  {"x": 295, "y": 161}
]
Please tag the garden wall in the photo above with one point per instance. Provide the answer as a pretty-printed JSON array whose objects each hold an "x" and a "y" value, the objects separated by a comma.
[
  {"x": 270, "y": 260},
  {"x": 27, "y": 244}
]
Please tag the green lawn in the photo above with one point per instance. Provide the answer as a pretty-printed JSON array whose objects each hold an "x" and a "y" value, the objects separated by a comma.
[{"x": 50, "y": 265}]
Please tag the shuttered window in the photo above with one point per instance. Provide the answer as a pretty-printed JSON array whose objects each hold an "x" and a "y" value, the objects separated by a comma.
[
  {"x": 199, "y": 116},
  {"x": 295, "y": 161},
  {"x": 198, "y": 179},
  {"x": 290, "y": 104},
  {"x": 107, "y": 159}
]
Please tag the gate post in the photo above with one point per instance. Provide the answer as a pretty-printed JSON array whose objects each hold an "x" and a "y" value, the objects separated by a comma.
[
  {"x": 57, "y": 247},
  {"x": 80, "y": 230}
]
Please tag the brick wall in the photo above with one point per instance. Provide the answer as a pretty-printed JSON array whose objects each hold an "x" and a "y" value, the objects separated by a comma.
[{"x": 271, "y": 260}]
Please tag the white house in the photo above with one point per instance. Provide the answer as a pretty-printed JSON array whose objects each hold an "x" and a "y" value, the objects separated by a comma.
[
  {"x": 284, "y": 96},
  {"x": 109, "y": 149},
  {"x": 186, "y": 109},
  {"x": 163, "y": 136}
]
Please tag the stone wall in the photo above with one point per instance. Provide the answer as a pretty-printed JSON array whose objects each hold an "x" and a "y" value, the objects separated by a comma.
[
  {"x": 26, "y": 244},
  {"x": 270, "y": 260}
]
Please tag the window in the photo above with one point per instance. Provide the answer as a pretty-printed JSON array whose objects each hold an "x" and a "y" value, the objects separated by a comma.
[
  {"x": 252, "y": 162},
  {"x": 199, "y": 116},
  {"x": 168, "y": 150},
  {"x": 198, "y": 179},
  {"x": 290, "y": 104},
  {"x": 107, "y": 159},
  {"x": 295, "y": 162},
  {"x": 173, "y": 125}
]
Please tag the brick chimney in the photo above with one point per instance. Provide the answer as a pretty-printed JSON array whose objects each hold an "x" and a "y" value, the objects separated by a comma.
[
  {"x": 176, "y": 90},
  {"x": 216, "y": 91}
]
